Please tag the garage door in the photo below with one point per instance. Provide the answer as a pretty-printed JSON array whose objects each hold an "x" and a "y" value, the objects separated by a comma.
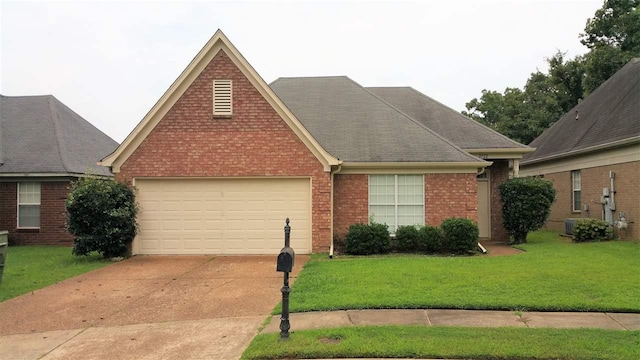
[{"x": 222, "y": 216}]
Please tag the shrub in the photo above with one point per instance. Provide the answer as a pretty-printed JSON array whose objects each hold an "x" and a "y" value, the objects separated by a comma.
[
  {"x": 460, "y": 235},
  {"x": 101, "y": 213},
  {"x": 407, "y": 237},
  {"x": 526, "y": 204},
  {"x": 366, "y": 239},
  {"x": 592, "y": 230},
  {"x": 430, "y": 239}
]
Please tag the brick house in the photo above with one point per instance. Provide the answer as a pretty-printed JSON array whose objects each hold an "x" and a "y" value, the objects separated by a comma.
[
  {"x": 44, "y": 146},
  {"x": 592, "y": 150},
  {"x": 223, "y": 158}
]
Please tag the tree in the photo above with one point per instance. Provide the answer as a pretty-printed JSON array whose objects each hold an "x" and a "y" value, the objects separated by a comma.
[
  {"x": 615, "y": 24},
  {"x": 613, "y": 38},
  {"x": 526, "y": 205},
  {"x": 101, "y": 213}
]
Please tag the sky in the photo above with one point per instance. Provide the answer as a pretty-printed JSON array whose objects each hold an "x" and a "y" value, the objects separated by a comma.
[{"x": 111, "y": 61}]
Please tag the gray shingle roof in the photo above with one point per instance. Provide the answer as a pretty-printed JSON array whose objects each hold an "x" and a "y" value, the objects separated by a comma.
[
  {"x": 39, "y": 134},
  {"x": 355, "y": 125},
  {"x": 452, "y": 125},
  {"x": 609, "y": 114}
]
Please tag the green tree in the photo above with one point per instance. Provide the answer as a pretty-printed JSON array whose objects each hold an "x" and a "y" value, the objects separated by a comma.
[
  {"x": 101, "y": 213},
  {"x": 613, "y": 37}
]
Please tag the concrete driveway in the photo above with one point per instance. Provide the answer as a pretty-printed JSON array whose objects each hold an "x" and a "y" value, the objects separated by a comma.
[{"x": 146, "y": 307}]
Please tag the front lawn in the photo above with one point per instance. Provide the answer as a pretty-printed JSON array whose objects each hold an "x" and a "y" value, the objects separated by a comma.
[
  {"x": 28, "y": 268},
  {"x": 448, "y": 342},
  {"x": 553, "y": 274}
]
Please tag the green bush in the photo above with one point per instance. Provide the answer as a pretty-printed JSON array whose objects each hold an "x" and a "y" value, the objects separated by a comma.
[
  {"x": 460, "y": 235},
  {"x": 430, "y": 239},
  {"x": 526, "y": 205},
  {"x": 407, "y": 237},
  {"x": 101, "y": 213},
  {"x": 592, "y": 230},
  {"x": 366, "y": 239}
]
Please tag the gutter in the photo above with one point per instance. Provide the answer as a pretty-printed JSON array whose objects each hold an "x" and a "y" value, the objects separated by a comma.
[{"x": 333, "y": 172}]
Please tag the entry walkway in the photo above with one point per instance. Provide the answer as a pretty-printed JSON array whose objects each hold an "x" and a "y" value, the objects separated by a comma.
[{"x": 465, "y": 318}]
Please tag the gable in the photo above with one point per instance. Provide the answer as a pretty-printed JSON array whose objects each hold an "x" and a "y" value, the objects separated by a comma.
[
  {"x": 217, "y": 45},
  {"x": 191, "y": 141}
]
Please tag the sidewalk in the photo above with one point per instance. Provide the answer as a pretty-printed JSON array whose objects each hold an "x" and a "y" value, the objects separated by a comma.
[{"x": 464, "y": 318}]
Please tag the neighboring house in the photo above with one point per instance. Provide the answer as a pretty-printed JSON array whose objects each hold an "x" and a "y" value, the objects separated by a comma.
[
  {"x": 594, "y": 150},
  {"x": 223, "y": 158},
  {"x": 44, "y": 146}
]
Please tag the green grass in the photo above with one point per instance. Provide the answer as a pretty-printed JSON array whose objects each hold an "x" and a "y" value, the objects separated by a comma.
[
  {"x": 448, "y": 342},
  {"x": 28, "y": 268},
  {"x": 553, "y": 274}
]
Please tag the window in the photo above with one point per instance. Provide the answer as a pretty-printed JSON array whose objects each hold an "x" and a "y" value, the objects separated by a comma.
[
  {"x": 576, "y": 185},
  {"x": 222, "y": 100},
  {"x": 28, "y": 205},
  {"x": 396, "y": 200}
]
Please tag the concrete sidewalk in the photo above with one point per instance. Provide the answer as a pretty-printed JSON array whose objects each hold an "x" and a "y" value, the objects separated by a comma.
[
  {"x": 464, "y": 318},
  {"x": 209, "y": 338}
]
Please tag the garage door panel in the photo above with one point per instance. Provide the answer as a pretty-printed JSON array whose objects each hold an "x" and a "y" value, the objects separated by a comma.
[{"x": 220, "y": 216}]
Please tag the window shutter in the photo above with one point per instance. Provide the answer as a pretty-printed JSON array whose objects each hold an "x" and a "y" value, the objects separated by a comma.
[{"x": 222, "y": 101}]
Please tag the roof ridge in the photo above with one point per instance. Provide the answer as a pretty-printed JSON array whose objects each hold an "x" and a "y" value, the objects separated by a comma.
[
  {"x": 53, "y": 111},
  {"x": 418, "y": 123}
]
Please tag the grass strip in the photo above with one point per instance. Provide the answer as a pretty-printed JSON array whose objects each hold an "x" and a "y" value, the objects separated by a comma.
[
  {"x": 28, "y": 268},
  {"x": 553, "y": 274},
  {"x": 448, "y": 342}
]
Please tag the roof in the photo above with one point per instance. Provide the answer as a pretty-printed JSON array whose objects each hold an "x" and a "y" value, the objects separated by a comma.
[
  {"x": 355, "y": 125},
  {"x": 608, "y": 116},
  {"x": 41, "y": 135},
  {"x": 218, "y": 42},
  {"x": 452, "y": 125}
]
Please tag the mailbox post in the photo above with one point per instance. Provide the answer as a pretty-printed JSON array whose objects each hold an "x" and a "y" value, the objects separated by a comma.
[{"x": 285, "y": 265}]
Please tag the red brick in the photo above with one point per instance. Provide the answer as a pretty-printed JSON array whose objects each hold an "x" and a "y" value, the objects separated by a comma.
[{"x": 53, "y": 195}]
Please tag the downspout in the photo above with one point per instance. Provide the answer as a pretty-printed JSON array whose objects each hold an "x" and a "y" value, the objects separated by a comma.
[{"x": 333, "y": 172}]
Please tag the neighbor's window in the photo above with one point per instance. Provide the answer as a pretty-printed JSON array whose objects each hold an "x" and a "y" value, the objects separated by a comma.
[
  {"x": 575, "y": 184},
  {"x": 29, "y": 205},
  {"x": 222, "y": 99},
  {"x": 396, "y": 200}
]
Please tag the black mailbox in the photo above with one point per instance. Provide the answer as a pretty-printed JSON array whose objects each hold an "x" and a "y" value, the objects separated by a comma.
[{"x": 285, "y": 260}]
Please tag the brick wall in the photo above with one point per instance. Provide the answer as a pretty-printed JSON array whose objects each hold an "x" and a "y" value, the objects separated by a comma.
[
  {"x": 499, "y": 173},
  {"x": 53, "y": 195},
  {"x": 593, "y": 180},
  {"x": 350, "y": 202},
  {"x": 446, "y": 195},
  {"x": 450, "y": 195},
  {"x": 255, "y": 141}
]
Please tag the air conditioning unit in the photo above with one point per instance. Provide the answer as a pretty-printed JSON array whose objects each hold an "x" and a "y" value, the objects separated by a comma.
[{"x": 569, "y": 224}]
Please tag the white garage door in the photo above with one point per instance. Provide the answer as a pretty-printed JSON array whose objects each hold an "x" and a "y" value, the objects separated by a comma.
[{"x": 222, "y": 216}]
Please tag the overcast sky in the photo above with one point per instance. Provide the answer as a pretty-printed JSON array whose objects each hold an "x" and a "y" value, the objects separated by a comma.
[{"x": 111, "y": 61}]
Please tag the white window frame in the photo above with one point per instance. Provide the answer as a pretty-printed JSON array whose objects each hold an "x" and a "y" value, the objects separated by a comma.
[
  {"x": 576, "y": 175},
  {"x": 21, "y": 203},
  {"x": 396, "y": 203},
  {"x": 222, "y": 97}
]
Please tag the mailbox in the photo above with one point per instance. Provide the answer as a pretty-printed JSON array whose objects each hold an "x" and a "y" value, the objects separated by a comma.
[{"x": 285, "y": 260}]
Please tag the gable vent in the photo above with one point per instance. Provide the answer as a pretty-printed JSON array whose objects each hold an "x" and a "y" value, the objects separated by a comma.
[{"x": 222, "y": 102}]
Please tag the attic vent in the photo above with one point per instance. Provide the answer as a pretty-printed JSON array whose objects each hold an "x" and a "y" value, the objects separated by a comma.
[{"x": 222, "y": 102}]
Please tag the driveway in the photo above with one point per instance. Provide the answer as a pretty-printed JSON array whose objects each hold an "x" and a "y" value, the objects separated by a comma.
[{"x": 192, "y": 303}]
